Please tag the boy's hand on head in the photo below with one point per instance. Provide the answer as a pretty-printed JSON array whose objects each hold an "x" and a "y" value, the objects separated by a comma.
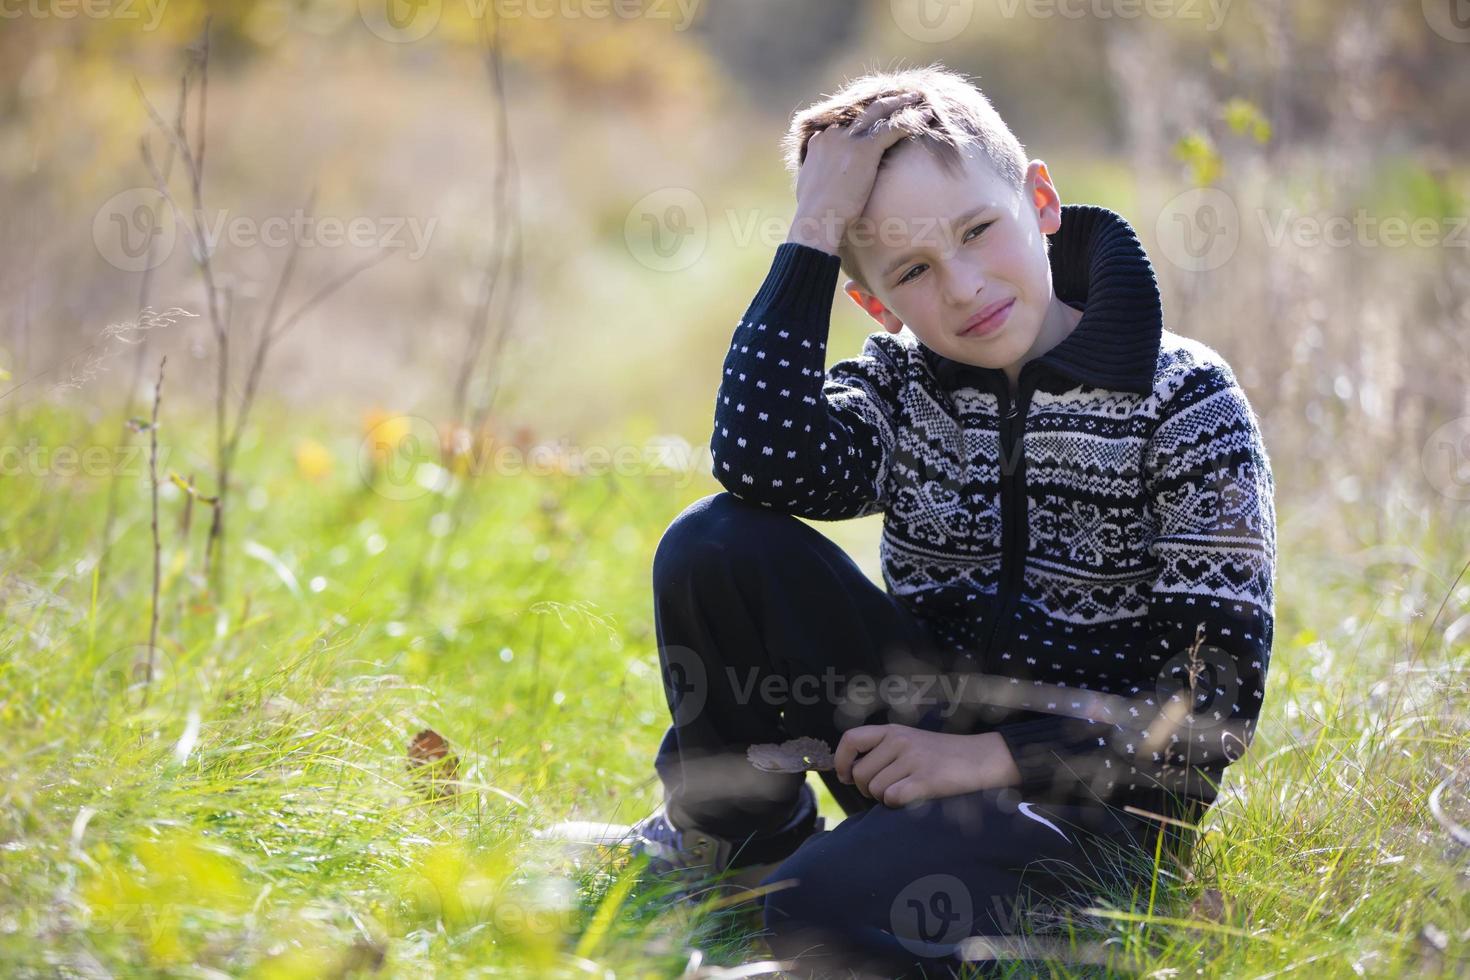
[
  {"x": 839, "y": 171},
  {"x": 898, "y": 765}
]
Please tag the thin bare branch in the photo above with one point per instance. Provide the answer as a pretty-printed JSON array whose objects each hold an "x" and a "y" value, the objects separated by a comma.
[
  {"x": 332, "y": 286},
  {"x": 157, "y": 544},
  {"x": 267, "y": 340},
  {"x": 286, "y": 272},
  {"x": 203, "y": 62}
]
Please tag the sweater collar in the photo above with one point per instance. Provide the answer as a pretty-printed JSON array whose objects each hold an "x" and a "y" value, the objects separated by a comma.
[{"x": 1099, "y": 266}]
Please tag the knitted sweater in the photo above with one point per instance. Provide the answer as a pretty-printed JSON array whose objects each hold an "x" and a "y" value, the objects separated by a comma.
[{"x": 1068, "y": 548}]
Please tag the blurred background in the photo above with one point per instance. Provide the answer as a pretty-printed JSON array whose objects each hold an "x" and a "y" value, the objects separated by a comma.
[{"x": 554, "y": 211}]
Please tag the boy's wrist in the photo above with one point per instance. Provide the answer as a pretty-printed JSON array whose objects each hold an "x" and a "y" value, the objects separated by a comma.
[
  {"x": 996, "y": 760},
  {"x": 816, "y": 231}
]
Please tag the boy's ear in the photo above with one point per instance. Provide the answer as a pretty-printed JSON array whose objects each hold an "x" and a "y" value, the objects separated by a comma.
[
  {"x": 1044, "y": 197},
  {"x": 873, "y": 306}
]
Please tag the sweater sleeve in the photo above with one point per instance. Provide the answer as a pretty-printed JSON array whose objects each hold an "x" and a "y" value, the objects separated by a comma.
[
  {"x": 788, "y": 435},
  {"x": 1210, "y": 617}
]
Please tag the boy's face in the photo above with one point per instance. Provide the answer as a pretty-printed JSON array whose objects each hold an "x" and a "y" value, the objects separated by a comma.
[{"x": 934, "y": 261}]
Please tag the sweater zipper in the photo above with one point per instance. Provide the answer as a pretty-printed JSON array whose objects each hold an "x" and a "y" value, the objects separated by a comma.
[{"x": 1013, "y": 516}]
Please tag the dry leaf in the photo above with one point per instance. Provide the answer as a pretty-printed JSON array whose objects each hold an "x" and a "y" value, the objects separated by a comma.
[
  {"x": 430, "y": 760},
  {"x": 795, "y": 755}
]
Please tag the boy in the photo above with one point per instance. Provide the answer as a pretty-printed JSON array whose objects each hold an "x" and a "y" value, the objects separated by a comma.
[{"x": 1079, "y": 531}]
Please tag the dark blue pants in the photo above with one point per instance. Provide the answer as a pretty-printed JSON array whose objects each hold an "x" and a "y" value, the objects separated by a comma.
[{"x": 762, "y": 625}]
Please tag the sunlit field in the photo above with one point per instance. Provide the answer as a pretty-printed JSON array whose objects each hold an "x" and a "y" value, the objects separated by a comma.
[{"x": 255, "y": 806}]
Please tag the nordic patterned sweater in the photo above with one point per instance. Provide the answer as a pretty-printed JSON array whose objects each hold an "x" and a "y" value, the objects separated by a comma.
[{"x": 1097, "y": 556}]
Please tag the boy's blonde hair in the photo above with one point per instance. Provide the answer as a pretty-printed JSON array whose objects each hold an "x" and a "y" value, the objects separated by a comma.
[{"x": 951, "y": 115}]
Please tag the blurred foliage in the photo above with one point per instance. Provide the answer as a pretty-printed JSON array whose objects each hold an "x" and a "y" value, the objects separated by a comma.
[
  {"x": 1242, "y": 116},
  {"x": 1199, "y": 154},
  {"x": 1291, "y": 108},
  {"x": 163, "y": 894}
]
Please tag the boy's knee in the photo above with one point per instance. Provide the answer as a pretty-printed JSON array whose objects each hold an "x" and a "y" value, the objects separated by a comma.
[{"x": 717, "y": 524}]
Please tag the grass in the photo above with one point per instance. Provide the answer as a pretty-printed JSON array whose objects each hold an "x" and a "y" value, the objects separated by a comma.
[{"x": 251, "y": 811}]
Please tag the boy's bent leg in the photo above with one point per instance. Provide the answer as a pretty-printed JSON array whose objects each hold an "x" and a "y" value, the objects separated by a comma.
[
  {"x": 761, "y": 623},
  {"x": 927, "y": 887}
]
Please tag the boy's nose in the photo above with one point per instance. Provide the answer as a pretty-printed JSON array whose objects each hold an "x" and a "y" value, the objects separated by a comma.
[{"x": 966, "y": 287}]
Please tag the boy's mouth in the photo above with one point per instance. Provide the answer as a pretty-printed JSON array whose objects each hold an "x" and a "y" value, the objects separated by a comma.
[{"x": 988, "y": 320}]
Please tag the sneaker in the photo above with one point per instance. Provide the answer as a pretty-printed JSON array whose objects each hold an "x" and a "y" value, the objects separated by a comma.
[{"x": 695, "y": 858}]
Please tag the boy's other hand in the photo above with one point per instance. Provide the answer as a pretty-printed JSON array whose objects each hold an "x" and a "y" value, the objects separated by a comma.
[
  {"x": 898, "y": 765},
  {"x": 839, "y": 171}
]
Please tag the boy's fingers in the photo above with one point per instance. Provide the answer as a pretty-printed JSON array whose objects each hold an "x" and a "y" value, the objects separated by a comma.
[
  {"x": 881, "y": 129},
  {"x": 874, "y": 762},
  {"x": 883, "y": 132},
  {"x": 854, "y": 742},
  {"x": 881, "y": 108}
]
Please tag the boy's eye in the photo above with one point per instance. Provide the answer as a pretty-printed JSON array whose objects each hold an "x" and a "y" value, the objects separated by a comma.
[
  {"x": 979, "y": 228},
  {"x": 909, "y": 275}
]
